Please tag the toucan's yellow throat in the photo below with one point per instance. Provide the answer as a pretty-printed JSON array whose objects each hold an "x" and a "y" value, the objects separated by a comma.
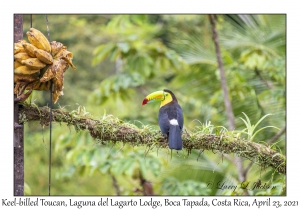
[{"x": 162, "y": 95}]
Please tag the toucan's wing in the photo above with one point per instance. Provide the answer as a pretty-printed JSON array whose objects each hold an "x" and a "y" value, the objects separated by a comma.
[
  {"x": 163, "y": 121},
  {"x": 179, "y": 116}
]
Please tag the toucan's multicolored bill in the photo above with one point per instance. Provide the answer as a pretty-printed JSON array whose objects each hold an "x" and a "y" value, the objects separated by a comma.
[{"x": 155, "y": 96}]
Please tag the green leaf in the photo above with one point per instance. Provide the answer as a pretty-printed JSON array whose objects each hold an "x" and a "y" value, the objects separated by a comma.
[
  {"x": 261, "y": 119},
  {"x": 70, "y": 155},
  {"x": 143, "y": 168},
  {"x": 248, "y": 120},
  {"x": 115, "y": 54},
  {"x": 105, "y": 167},
  {"x": 130, "y": 169},
  {"x": 98, "y": 49},
  {"x": 262, "y": 129},
  {"x": 102, "y": 53},
  {"x": 123, "y": 46}
]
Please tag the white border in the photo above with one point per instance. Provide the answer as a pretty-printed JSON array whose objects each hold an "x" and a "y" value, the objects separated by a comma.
[{"x": 154, "y": 6}]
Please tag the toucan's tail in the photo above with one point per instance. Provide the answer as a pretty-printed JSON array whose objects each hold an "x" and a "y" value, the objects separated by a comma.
[{"x": 175, "y": 141}]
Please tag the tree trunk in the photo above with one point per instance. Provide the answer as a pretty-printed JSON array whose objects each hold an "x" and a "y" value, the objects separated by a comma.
[
  {"x": 228, "y": 107},
  {"x": 18, "y": 128}
]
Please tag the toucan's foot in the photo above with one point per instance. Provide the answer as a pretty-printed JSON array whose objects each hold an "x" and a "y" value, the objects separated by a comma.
[{"x": 165, "y": 138}]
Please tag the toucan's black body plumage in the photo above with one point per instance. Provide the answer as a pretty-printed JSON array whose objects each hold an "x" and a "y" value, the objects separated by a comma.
[{"x": 170, "y": 120}]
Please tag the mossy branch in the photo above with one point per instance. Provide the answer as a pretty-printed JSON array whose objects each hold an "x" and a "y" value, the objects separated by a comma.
[{"x": 112, "y": 129}]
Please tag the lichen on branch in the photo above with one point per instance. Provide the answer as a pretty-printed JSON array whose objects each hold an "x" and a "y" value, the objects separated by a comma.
[{"x": 112, "y": 129}]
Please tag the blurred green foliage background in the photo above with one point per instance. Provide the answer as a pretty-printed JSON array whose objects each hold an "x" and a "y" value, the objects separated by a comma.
[{"x": 122, "y": 58}]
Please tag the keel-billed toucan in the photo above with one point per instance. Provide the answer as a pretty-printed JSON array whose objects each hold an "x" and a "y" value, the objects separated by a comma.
[{"x": 170, "y": 116}]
